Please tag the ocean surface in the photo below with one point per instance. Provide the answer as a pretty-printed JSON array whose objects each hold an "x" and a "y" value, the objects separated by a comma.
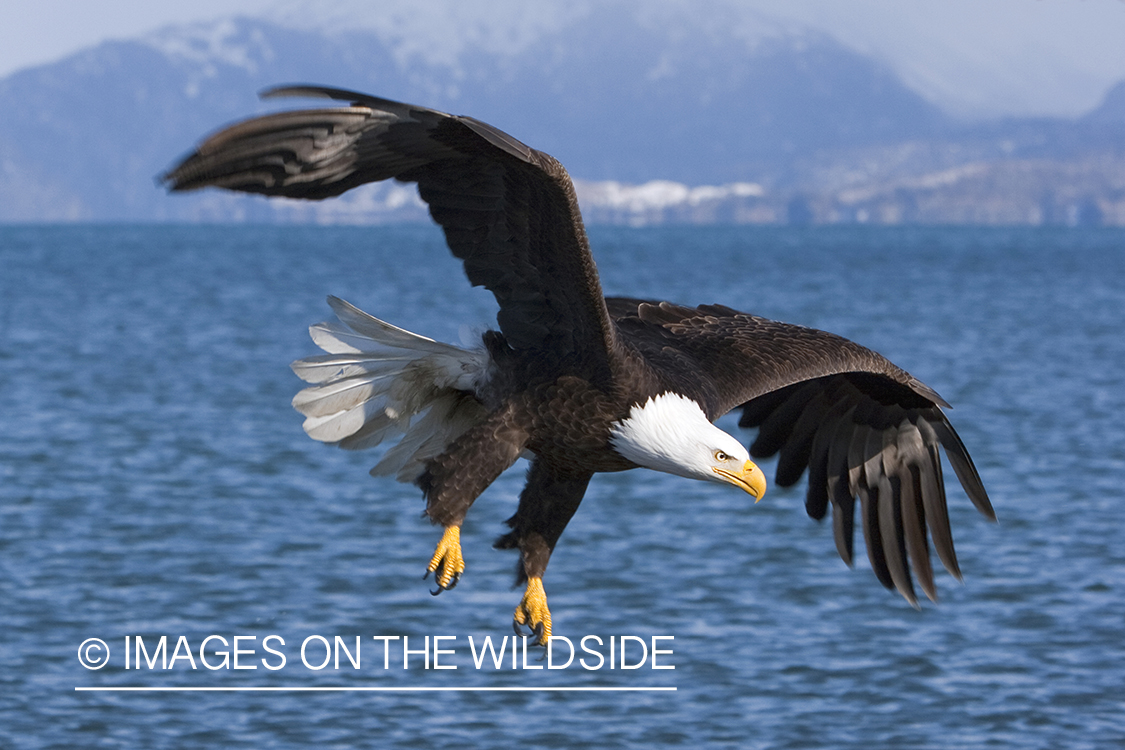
[{"x": 154, "y": 481}]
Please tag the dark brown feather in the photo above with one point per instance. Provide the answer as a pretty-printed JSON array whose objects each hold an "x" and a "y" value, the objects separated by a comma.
[{"x": 509, "y": 211}]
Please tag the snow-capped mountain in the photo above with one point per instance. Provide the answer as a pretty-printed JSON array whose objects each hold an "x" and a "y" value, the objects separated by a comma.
[
  {"x": 621, "y": 93},
  {"x": 670, "y": 111}
]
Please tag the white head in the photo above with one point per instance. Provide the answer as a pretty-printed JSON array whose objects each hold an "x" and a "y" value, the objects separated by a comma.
[{"x": 671, "y": 433}]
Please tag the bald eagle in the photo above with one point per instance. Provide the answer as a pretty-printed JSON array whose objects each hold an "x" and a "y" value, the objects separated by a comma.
[{"x": 579, "y": 382}]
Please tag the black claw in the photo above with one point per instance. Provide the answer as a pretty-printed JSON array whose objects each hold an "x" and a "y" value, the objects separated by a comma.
[
  {"x": 437, "y": 579},
  {"x": 536, "y": 631}
]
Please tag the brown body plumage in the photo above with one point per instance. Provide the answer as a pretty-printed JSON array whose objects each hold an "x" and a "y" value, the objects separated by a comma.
[{"x": 569, "y": 373}]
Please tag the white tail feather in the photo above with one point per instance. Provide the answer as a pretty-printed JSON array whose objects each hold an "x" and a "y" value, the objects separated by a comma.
[
  {"x": 340, "y": 395},
  {"x": 447, "y": 418},
  {"x": 326, "y": 367},
  {"x": 377, "y": 330},
  {"x": 378, "y": 380},
  {"x": 333, "y": 428}
]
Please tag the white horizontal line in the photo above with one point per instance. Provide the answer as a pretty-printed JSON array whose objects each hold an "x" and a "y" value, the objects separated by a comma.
[{"x": 292, "y": 689}]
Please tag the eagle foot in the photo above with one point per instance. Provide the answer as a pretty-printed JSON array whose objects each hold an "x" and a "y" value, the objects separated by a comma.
[
  {"x": 532, "y": 612},
  {"x": 447, "y": 564}
]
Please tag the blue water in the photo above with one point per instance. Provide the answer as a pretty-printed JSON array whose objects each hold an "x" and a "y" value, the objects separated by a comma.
[{"x": 154, "y": 481}]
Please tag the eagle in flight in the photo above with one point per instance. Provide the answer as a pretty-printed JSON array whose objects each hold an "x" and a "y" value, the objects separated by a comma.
[{"x": 578, "y": 382}]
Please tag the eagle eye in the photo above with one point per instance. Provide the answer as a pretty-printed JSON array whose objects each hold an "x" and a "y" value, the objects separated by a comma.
[{"x": 720, "y": 456}]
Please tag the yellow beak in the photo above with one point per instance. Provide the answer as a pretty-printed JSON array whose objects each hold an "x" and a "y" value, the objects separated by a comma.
[{"x": 750, "y": 479}]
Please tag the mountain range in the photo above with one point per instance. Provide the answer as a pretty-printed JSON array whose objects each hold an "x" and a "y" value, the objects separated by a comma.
[{"x": 660, "y": 114}]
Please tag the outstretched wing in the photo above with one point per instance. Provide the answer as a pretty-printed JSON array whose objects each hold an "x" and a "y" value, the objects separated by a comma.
[
  {"x": 509, "y": 212},
  {"x": 863, "y": 427}
]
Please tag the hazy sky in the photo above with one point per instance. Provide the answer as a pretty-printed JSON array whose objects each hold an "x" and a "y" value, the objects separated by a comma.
[{"x": 976, "y": 57}]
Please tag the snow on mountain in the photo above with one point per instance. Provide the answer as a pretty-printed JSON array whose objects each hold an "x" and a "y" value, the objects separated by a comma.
[{"x": 663, "y": 201}]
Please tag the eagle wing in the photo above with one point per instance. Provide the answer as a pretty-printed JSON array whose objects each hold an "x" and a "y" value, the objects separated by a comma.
[
  {"x": 509, "y": 212},
  {"x": 863, "y": 427}
]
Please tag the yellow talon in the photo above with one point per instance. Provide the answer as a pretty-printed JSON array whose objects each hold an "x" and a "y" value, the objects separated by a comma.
[
  {"x": 533, "y": 611},
  {"x": 447, "y": 559}
]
